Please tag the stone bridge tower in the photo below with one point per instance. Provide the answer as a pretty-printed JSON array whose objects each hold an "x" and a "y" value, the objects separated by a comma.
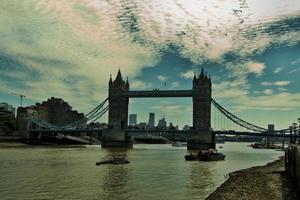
[
  {"x": 201, "y": 136},
  {"x": 118, "y": 105}
]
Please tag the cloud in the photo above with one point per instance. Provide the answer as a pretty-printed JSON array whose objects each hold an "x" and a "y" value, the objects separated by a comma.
[
  {"x": 268, "y": 91},
  {"x": 189, "y": 74},
  {"x": 140, "y": 85},
  {"x": 256, "y": 68},
  {"x": 294, "y": 70},
  {"x": 277, "y": 83},
  {"x": 53, "y": 50},
  {"x": 162, "y": 78},
  {"x": 68, "y": 48},
  {"x": 277, "y": 70},
  {"x": 282, "y": 83}
]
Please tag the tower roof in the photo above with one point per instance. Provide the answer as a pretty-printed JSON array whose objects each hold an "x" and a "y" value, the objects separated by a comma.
[{"x": 119, "y": 76}]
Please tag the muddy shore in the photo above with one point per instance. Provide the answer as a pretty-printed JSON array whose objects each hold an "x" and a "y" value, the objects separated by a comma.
[{"x": 265, "y": 182}]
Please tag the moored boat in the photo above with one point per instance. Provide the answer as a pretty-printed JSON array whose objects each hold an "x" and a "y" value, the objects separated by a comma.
[
  {"x": 210, "y": 155},
  {"x": 115, "y": 161}
]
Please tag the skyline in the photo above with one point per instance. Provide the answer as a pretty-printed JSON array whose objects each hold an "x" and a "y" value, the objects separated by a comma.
[{"x": 68, "y": 49}]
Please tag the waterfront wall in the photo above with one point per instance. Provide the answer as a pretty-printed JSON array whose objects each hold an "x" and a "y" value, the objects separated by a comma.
[{"x": 293, "y": 164}]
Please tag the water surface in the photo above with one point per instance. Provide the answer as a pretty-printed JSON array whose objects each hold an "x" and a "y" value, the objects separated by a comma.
[{"x": 154, "y": 172}]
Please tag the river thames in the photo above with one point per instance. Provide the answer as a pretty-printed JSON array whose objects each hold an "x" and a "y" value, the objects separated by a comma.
[{"x": 155, "y": 172}]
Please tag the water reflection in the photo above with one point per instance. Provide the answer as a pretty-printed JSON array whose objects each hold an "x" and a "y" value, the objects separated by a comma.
[
  {"x": 116, "y": 177},
  {"x": 201, "y": 178}
]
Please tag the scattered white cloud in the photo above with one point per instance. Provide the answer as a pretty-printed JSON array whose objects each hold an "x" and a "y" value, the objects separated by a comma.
[
  {"x": 256, "y": 68},
  {"x": 294, "y": 70},
  {"x": 277, "y": 70},
  {"x": 277, "y": 83},
  {"x": 294, "y": 62},
  {"x": 282, "y": 83},
  {"x": 189, "y": 74},
  {"x": 162, "y": 78},
  {"x": 268, "y": 91},
  {"x": 140, "y": 85}
]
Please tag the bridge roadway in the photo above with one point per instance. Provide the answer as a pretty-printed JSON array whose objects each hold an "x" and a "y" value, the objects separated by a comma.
[
  {"x": 218, "y": 132},
  {"x": 158, "y": 93}
]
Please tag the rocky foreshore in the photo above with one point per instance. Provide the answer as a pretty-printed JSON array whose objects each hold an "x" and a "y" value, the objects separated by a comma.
[{"x": 266, "y": 182}]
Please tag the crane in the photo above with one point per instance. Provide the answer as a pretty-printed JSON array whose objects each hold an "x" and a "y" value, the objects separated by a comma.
[{"x": 21, "y": 97}]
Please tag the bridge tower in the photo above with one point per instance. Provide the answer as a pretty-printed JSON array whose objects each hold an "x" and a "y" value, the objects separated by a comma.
[
  {"x": 201, "y": 137},
  {"x": 118, "y": 104}
]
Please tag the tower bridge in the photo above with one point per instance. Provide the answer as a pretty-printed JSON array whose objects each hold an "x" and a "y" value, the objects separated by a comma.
[{"x": 200, "y": 136}]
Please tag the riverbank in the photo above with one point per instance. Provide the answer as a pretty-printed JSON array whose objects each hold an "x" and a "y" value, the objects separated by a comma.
[{"x": 264, "y": 183}]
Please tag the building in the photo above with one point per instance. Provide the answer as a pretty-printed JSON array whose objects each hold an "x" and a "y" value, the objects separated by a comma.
[
  {"x": 6, "y": 108},
  {"x": 132, "y": 119},
  {"x": 8, "y": 124},
  {"x": 172, "y": 127},
  {"x": 151, "y": 122},
  {"x": 142, "y": 125},
  {"x": 54, "y": 111},
  {"x": 162, "y": 124}
]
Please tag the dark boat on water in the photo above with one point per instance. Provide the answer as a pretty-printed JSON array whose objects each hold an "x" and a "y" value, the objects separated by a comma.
[
  {"x": 210, "y": 155},
  {"x": 114, "y": 161},
  {"x": 205, "y": 155},
  {"x": 191, "y": 157}
]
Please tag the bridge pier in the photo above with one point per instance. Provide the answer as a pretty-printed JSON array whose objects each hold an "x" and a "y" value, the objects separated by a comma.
[
  {"x": 112, "y": 138},
  {"x": 201, "y": 137},
  {"x": 201, "y": 140}
]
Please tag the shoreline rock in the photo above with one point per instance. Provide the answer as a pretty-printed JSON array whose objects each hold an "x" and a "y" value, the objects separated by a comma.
[{"x": 262, "y": 182}]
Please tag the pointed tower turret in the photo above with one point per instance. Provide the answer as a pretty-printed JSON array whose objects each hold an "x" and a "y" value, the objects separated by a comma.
[
  {"x": 110, "y": 80},
  {"x": 127, "y": 83},
  {"x": 195, "y": 77},
  {"x": 119, "y": 76},
  {"x": 201, "y": 76}
]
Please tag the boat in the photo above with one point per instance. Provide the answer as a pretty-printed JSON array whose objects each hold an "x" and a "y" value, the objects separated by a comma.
[
  {"x": 190, "y": 157},
  {"x": 115, "y": 161},
  {"x": 210, "y": 155}
]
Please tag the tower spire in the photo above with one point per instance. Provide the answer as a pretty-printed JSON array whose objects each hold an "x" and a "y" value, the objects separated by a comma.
[
  {"x": 127, "y": 82},
  {"x": 119, "y": 76},
  {"x": 110, "y": 79},
  {"x": 195, "y": 76},
  {"x": 202, "y": 73}
]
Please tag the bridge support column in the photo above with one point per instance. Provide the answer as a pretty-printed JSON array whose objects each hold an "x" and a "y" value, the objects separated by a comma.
[
  {"x": 115, "y": 136},
  {"x": 201, "y": 137},
  {"x": 201, "y": 140}
]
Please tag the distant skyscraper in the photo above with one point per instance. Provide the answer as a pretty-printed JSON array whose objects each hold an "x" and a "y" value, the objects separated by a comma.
[
  {"x": 151, "y": 122},
  {"x": 132, "y": 119},
  {"x": 162, "y": 124}
]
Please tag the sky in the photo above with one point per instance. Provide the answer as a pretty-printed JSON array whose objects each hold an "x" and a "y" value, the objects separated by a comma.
[{"x": 69, "y": 48}]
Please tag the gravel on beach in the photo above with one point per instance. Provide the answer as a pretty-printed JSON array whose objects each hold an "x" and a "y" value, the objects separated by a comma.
[{"x": 268, "y": 182}]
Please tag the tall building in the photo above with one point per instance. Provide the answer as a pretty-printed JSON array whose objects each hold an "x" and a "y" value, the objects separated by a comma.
[
  {"x": 5, "y": 107},
  {"x": 162, "y": 124},
  {"x": 132, "y": 119},
  {"x": 151, "y": 122}
]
